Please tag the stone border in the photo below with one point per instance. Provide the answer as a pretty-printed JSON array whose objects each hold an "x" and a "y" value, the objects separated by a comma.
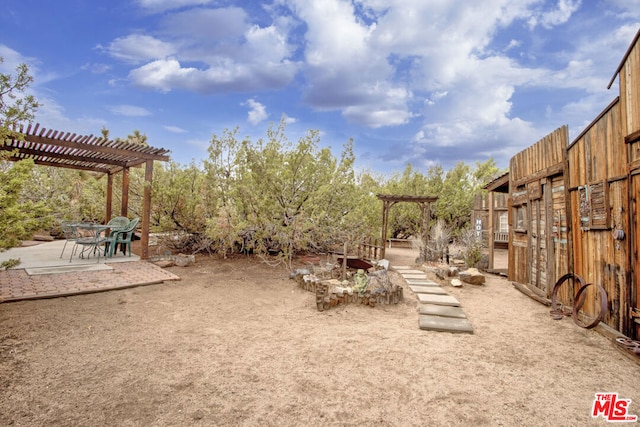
[{"x": 326, "y": 299}]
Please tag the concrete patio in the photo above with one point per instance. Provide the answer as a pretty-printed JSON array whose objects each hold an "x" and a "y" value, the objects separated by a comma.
[{"x": 42, "y": 273}]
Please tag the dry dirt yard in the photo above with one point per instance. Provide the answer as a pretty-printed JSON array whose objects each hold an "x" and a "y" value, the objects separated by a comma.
[{"x": 236, "y": 343}]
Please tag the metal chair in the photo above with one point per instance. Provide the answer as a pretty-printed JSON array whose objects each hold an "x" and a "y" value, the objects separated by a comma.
[
  {"x": 69, "y": 232},
  {"x": 91, "y": 241}
]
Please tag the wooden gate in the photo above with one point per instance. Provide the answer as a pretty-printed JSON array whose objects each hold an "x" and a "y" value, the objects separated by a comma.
[
  {"x": 548, "y": 234},
  {"x": 538, "y": 220}
]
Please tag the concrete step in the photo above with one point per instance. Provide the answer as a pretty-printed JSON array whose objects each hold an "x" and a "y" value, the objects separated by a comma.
[
  {"x": 445, "y": 324},
  {"x": 442, "y": 310},
  {"x": 438, "y": 300},
  {"x": 436, "y": 290}
]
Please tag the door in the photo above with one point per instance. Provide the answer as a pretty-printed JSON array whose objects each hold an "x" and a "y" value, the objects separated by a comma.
[{"x": 538, "y": 253}]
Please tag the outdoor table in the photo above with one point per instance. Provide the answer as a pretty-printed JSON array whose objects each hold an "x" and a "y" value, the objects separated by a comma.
[{"x": 89, "y": 236}]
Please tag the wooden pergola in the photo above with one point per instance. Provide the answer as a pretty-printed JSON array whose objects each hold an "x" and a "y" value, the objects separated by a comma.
[
  {"x": 388, "y": 200},
  {"x": 90, "y": 153}
]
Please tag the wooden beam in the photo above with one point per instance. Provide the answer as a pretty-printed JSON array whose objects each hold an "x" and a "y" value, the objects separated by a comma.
[
  {"x": 63, "y": 156},
  {"x": 556, "y": 169},
  {"x": 146, "y": 209},
  {"x": 385, "y": 221},
  {"x": 60, "y": 165},
  {"x": 124, "y": 207},
  {"x": 109, "y": 197}
]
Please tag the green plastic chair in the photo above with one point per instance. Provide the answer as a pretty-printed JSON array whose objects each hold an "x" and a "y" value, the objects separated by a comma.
[
  {"x": 116, "y": 225},
  {"x": 118, "y": 222},
  {"x": 123, "y": 237}
]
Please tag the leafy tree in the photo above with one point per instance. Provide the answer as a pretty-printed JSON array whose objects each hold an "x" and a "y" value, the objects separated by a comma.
[
  {"x": 460, "y": 185},
  {"x": 280, "y": 197},
  {"x": 15, "y": 107},
  {"x": 17, "y": 219},
  {"x": 67, "y": 193},
  {"x": 228, "y": 219}
]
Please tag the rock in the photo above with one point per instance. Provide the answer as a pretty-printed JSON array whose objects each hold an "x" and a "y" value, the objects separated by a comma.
[
  {"x": 384, "y": 263},
  {"x": 453, "y": 271},
  {"x": 299, "y": 272},
  {"x": 458, "y": 262},
  {"x": 472, "y": 276},
  {"x": 310, "y": 278},
  {"x": 456, "y": 283},
  {"x": 379, "y": 279},
  {"x": 42, "y": 238},
  {"x": 182, "y": 260},
  {"x": 164, "y": 263}
]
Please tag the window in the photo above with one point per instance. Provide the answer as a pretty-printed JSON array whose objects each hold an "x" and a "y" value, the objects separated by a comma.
[
  {"x": 520, "y": 218},
  {"x": 594, "y": 206},
  {"x": 503, "y": 223}
]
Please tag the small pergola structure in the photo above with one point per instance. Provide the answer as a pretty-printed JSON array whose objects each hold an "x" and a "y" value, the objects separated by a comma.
[
  {"x": 388, "y": 200},
  {"x": 91, "y": 153}
]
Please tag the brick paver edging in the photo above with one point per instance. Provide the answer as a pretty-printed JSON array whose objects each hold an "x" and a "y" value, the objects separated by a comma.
[{"x": 17, "y": 285}]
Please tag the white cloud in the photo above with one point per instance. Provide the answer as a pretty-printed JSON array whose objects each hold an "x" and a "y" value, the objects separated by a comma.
[
  {"x": 290, "y": 120},
  {"x": 556, "y": 16},
  {"x": 174, "y": 129},
  {"x": 129, "y": 110},
  {"x": 210, "y": 51},
  {"x": 169, "y": 74},
  {"x": 257, "y": 112},
  {"x": 11, "y": 59},
  {"x": 97, "y": 68},
  {"x": 138, "y": 48}
]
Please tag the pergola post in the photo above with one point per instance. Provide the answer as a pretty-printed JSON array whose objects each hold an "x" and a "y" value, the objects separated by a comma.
[
  {"x": 109, "y": 197},
  {"x": 385, "y": 224},
  {"x": 146, "y": 209},
  {"x": 124, "y": 208},
  {"x": 425, "y": 212}
]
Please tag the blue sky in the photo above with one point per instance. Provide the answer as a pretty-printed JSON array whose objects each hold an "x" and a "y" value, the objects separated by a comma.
[{"x": 419, "y": 81}]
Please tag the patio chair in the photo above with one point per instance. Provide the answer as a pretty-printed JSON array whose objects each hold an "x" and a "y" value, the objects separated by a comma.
[
  {"x": 91, "y": 241},
  {"x": 123, "y": 237},
  {"x": 69, "y": 232},
  {"x": 118, "y": 222}
]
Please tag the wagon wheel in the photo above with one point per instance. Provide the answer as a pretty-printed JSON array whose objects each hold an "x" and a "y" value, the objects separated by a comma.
[
  {"x": 579, "y": 302},
  {"x": 557, "y": 311}
]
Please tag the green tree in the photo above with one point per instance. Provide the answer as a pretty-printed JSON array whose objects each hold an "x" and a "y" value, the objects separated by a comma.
[
  {"x": 460, "y": 185},
  {"x": 16, "y": 107},
  {"x": 18, "y": 219}
]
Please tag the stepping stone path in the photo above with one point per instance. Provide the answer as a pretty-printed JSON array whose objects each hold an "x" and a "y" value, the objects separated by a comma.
[{"x": 438, "y": 310}]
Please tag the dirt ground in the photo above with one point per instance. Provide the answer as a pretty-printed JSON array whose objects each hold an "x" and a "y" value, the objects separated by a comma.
[{"x": 236, "y": 343}]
